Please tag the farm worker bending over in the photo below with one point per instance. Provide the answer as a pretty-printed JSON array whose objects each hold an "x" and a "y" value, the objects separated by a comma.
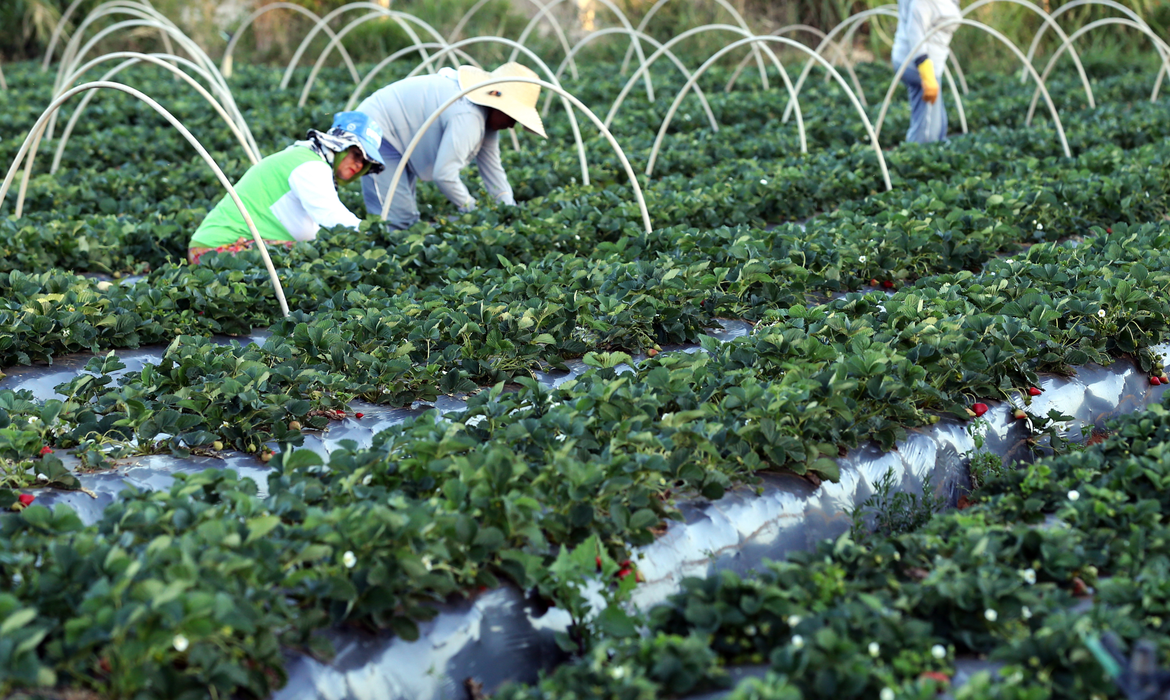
[
  {"x": 290, "y": 195},
  {"x": 928, "y": 115},
  {"x": 470, "y": 128}
]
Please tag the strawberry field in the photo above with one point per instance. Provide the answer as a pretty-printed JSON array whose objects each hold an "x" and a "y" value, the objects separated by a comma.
[{"x": 529, "y": 398}]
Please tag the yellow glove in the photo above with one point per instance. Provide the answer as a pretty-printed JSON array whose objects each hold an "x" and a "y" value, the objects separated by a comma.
[{"x": 929, "y": 83}]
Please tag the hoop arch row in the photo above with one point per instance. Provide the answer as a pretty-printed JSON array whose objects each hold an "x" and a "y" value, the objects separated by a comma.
[
  {"x": 534, "y": 81},
  {"x": 734, "y": 15},
  {"x": 543, "y": 66},
  {"x": 792, "y": 94},
  {"x": 195, "y": 53},
  {"x": 131, "y": 59},
  {"x": 1160, "y": 45},
  {"x": 400, "y": 17},
  {"x": 59, "y": 29},
  {"x": 1048, "y": 21},
  {"x": 61, "y": 99},
  {"x": 131, "y": 8},
  {"x": 776, "y": 40},
  {"x": 644, "y": 37},
  {"x": 97, "y": 12},
  {"x": 994, "y": 33},
  {"x": 625, "y": 22},
  {"x": 556, "y": 26},
  {"x": 790, "y": 29},
  {"x": 225, "y": 64},
  {"x": 1065, "y": 8}
]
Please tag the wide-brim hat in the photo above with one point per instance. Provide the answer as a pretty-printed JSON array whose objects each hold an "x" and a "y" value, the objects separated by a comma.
[{"x": 517, "y": 100}]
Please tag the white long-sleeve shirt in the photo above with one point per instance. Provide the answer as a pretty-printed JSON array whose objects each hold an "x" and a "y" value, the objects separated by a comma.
[
  {"x": 458, "y": 135},
  {"x": 312, "y": 202},
  {"x": 915, "y": 19}
]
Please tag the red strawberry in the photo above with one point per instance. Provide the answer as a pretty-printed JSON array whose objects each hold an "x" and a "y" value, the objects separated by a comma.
[
  {"x": 1034, "y": 391},
  {"x": 599, "y": 563},
  {"x": 874, "y": 283},
  {"x": 1019, "y": 414},
  {"x": 1155, "y": 381},
  {"x": 888, "y": 284},
  {"x": 358, "y": 415},
  {"x": 979, "y": 409},
  {"x": 936, "y": 676},
  {"x": 104, "y": 665},
  {"x": 624, "y": 572},
  {"x": 1108, "y": 230},
  {"x": 26, "y": 499},
  {"x": 1164, "y": 377},
  {"x": 651, "y": 352},
  {"x": 46, "y": 450}
]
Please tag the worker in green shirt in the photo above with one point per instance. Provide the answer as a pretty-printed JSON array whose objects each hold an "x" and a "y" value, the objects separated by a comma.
[{"x": 290, "y": 195}]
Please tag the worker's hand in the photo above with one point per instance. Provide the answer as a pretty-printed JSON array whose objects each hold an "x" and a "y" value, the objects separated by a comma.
[{"x": 929, "y": 83}]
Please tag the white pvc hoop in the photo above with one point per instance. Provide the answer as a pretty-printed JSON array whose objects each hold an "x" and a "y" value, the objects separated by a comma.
[
  {"x": 1065, "y": 8},
  {"x": 790, "y": 29},
  {"x": 543, "y": 66},
  {"x": 1160, "y": 45},
  {"x": 3, "y": 82},
  {"x": 133, "y": 58},
  {"x": 59, "y": 28},
  {"x": 131, "y": 8},
  {"x": 779, "y": 40},
  {"x": 1048, "y": 21},
  {"x": 225, "y": 64},
  {"x": 39, "y": 127},
  {"x": 534, "y": 81},
  {"x": 556, "y": 25},
  {"x": 792, "y": 93},
  {"x": 653, "y": 42},
  {"x": 625, "y": 22},
  {"x": 734, "y": 15},
  {"x": 399, "y": 17},
  {"x": 196, "y": 53},
  {"x": 993, "y": 32}
]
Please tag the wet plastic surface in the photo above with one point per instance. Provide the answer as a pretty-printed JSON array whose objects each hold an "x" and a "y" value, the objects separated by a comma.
[{"x": 498, "y": 636}]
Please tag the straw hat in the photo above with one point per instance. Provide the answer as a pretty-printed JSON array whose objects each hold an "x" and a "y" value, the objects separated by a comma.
[{"x": 517, "y": 100}]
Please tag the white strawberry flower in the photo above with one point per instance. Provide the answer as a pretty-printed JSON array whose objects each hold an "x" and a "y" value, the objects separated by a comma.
[
  {"x": 798, "y": 641},
  {"x": 349, "y": 559},
  {"x": 1029, "y": 576},
  {"x": 1026, "y": 612},
  {"x": 938, "y": 651},
  {"x": 1101, "y": 313},
  {"x": 793, "y": 620},
  {"x": 875, "y": 649},
  {"x": 887, "y": 694},
  {"x": 763, "y": 182},
  {"x": 180, "y": 643},
  {"x": 1073, "y": 495},
  {"x": 367, "y": 479},
  {"x": 861, "y": 259},
  {"x": 990, "y": 614}
]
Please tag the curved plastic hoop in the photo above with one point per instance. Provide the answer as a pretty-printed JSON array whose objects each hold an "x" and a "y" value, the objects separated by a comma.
[
  {"x": 59, "y": 28},
  {"x": 336, "y": 41},
  {"x": 653, "y": 42},
  {"x": 543, "y": 66},
  {"x": 1048, "y": 21},
  {"x": 133, "y": 58},
  {"x": 534, "y": 81},
  {"x": 997, "y": 35},
  {"x": 39, "y": 126},
  {"x": 3, "y": 82},
  {"x": 399, "y": 17},
  {"x": 820, "y": 35},
  {"x": 196, "y": 53},
  {"x": 778, "y": 40},
  {"x": 1160, "y": 45},
  {"x": 734, "y": 15},
  {"x": 625, "y": 22},
  {"x": 225, "y": 64},
  {"x": 556, "y": 25},
  {"x": 1065, "y": 8},
  {"x": 792, "y": 93},
  {"x": 132, "y": 8}
]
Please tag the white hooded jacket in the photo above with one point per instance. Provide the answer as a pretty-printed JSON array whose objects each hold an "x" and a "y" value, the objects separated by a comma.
[{"x": 915, "y": 20}]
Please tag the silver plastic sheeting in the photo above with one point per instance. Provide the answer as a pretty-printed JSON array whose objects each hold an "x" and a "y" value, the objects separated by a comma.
[{"x": 499, "y": 636}]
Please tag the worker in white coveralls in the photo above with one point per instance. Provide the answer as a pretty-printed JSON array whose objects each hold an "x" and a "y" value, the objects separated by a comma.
[
  {"x": 928, "y": 114},
  {"x": 468, "y": 129},
  {"x": 290, "y": 195}
]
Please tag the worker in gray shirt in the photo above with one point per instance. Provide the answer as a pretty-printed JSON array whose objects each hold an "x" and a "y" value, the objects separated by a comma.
[{"x": 470, "y": 128}]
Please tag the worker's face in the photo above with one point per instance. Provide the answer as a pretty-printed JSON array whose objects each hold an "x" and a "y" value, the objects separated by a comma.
[
  {"x": 498, "y": 121},
  {"x": 352, "y": 166}
]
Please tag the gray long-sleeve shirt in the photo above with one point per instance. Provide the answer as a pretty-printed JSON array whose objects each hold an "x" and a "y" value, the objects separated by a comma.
[{"x": 458, "y": 135}]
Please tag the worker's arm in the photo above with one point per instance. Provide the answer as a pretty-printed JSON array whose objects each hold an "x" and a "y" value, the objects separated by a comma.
[
  {"x": 312, "y": 183},
  {"x": 461, "y": 138},
  {"x": 491, "y": 169}
]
